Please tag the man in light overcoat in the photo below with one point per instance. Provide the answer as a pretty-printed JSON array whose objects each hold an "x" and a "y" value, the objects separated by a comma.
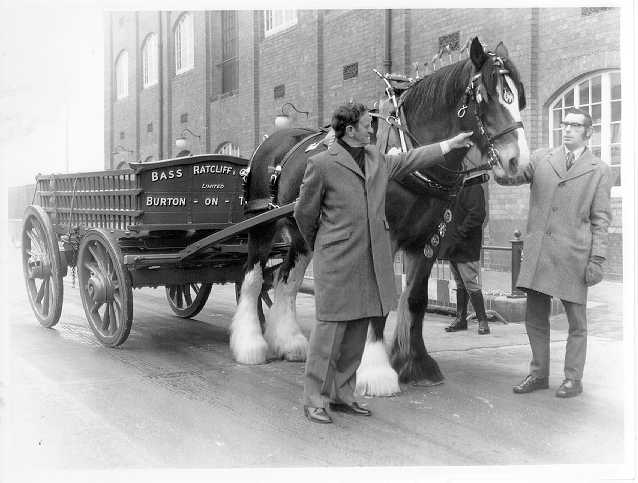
[
  {"x": 564, "y": 247},
  {"x": 341, "y": 215}
]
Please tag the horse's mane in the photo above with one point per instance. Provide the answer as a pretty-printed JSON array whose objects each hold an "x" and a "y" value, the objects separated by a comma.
[
  {"x": 438, "y": 91},
  {"x": 443, "y": 88}
]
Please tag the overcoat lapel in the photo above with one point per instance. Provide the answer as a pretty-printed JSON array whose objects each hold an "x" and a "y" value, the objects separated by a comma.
[
  {"x": 584, "y": 164},
  {"x": 557, "y": 160},
  {"x": 344, "y": 159}
]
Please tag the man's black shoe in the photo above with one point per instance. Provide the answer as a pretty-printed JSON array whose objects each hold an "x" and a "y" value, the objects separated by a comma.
[
  {"x": 353, "y": 408},
  {"x": 569, "y": 388},
  {"x": 317, "y": 415},
  {"x": 530, "y": 384}
]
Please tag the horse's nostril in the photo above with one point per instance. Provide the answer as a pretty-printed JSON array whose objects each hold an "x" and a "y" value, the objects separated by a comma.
[{"x": 513, "y": 164}]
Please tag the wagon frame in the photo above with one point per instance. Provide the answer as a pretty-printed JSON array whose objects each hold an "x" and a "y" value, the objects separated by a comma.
[{"x": 177, "y": 223}]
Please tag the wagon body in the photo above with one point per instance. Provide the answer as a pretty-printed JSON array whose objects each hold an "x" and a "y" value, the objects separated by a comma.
[{"x": 177, "y": 223}]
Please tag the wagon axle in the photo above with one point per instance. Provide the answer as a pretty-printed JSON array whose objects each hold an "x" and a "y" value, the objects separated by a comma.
[{"x": 99, "y": 289}]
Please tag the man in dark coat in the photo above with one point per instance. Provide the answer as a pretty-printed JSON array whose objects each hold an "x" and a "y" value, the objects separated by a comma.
[
  {"x": 564, "y": 247},
  {"x": 341, "y": 215},
  {"x": 461, "y": 246}
]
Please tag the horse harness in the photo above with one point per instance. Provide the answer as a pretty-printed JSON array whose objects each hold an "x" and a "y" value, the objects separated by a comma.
[{"x": 418, "y": 181}]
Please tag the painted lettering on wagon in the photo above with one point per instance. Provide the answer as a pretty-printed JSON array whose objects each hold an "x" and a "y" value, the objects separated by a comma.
[
  {"x": 213, "y": 169},
  {"x": 165, "y": 201},
  {"x": 165, "y": 175}
]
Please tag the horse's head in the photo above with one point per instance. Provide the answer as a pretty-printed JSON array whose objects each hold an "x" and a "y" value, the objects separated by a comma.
[{"x": 493, "y": 100}]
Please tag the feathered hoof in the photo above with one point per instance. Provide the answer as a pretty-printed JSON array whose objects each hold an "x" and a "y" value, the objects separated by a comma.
[
  {"x": 375, "y": 376},
  {"x": 296, "y": 350},
  {"x": 382, "y": 382},
  {"x": 423, "y": 371},
  {"x": 247, "y": 351}
]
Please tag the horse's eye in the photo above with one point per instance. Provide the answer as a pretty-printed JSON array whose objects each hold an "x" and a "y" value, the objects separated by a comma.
[{"x": 507, "y": 95}]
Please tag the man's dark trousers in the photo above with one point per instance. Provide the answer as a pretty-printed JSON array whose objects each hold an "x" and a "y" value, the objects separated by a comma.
[
  {"x": 537, "y": 326},
  {"x": 334, "y": 355}
]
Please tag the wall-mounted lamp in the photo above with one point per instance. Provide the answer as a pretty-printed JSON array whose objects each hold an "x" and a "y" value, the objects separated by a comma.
[
  {"x": 283, "y": 120},
  {"x": 121, "y": 149},
  {"x": 180, "y": 142}
]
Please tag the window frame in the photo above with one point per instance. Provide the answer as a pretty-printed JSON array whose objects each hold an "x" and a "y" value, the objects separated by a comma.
[
  {"x": 605, "y": 102},
  {"x": 229, "y": 51},
  {"x": 150, "y": 61},
  {"x": 269, "y": 21},
  {"x": 121, "y": 76},
  {"x": 184, "y": 44}
]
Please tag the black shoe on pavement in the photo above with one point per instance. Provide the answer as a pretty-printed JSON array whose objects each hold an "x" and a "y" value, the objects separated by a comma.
[
  {"x": 353, "y": 408},
  {"x": 317, "y": 415},
  {"x": 569, "y": 388},
  {"x": 531, "y": 384}
]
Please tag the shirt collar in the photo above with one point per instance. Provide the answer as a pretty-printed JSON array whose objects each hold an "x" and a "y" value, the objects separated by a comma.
[{"x": 578, "y": 153}]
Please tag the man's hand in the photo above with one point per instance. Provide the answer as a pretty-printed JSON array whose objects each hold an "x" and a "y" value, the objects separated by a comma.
[
  {"x": 593, "y": 273},
  {"x": 461, "y": 140}
]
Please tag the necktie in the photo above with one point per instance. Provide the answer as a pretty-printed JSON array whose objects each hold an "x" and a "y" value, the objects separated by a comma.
[{"x": 569, "y": 160}]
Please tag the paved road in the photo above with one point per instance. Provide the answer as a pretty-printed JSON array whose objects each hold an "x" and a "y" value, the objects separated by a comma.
[{"x": 172, "y": 397}]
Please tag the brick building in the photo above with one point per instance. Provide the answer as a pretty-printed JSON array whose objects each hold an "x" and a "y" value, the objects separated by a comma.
[{"x": 214, "y": 81}]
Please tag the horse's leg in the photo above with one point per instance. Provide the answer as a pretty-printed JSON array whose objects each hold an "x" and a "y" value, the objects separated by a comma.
[
  {"x": 375, "y": 376},
  {"x": 282, "y": 331},
  {"x": 409, "y": 356},
  {"x": 247, "y": 343}
]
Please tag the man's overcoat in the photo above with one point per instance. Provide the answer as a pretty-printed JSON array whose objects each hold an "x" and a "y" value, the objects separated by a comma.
[
  {"x": 341, "y": 215},
  {"x": 464, "y": 236},
  {"x": 569, "y": 215}
]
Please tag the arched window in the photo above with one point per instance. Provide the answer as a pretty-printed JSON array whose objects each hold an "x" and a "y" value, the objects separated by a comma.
[
  {"x": 600, "y": 94},
  {"x": 184, "y": 42},
  {"x": 148, "y": 159},
  {"x": 121, "y": 75},
  {"x": 229, "y": 149},
  {"x": 149, "y": 61}
]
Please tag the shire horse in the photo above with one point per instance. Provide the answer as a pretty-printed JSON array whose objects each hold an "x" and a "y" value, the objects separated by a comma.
[{"x": 483, "y": 94}]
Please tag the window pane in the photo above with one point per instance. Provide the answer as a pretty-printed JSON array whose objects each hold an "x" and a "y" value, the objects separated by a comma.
[
  {"x": 615, "y": 133},
  {"x": 615, "y": 174},
  {"x": 557, "y": 138},
  {"x": 595, "y": 89},
  {"x": 595, "y": 138},
  {"x": 569, "y": 99},
  {"x": 595, "y": 113},
  {"x": 596, "y": 151},
  {"x": 584, "y": 93},
  {"x": 615, "y": 111},
  {"x": 614, "y": 81},
  {"x": 558, "y": 117},
  {"x": 615, "y": 154}
]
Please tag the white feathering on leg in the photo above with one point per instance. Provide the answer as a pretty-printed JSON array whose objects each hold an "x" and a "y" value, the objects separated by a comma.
[
  {"x": 282, "y": 331},
  {"x": 375, "y": 376},
  {"x": 246, "y": 341}
]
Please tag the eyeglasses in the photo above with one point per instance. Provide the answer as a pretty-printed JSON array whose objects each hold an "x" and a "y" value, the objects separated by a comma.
[{"x": 571, "y": 124}]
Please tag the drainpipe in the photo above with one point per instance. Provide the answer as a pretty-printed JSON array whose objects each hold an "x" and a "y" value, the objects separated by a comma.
[{"x": 387, "y": 61}]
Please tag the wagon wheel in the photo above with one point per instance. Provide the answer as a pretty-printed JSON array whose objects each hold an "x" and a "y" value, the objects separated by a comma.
[
  {"x": 189, "y": 299},
  {"x": 42, "y": 266},
  {"x": 105, "y": 287}
]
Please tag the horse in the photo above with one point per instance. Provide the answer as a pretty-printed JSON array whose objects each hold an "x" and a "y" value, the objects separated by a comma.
[{"x": 483, "y": 94}]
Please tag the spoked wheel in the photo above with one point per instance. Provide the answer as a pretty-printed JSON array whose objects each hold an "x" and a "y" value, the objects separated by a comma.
[
  {"x": 105, "y": 287},
  {"x": 189, "y": 299},
  {"x": 41, "y": 266}
]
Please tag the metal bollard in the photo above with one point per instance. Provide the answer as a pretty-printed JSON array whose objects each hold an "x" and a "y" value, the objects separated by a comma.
[{"x": 517, "y": 254}]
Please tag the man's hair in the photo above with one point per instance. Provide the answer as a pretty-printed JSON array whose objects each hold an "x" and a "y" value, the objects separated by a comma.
[
  {"x": 575, "y": 110},
  {"x": 346, "y": 115}
]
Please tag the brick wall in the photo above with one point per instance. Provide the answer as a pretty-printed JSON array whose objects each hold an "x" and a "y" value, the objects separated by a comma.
[{"x": 550, "y": 47}]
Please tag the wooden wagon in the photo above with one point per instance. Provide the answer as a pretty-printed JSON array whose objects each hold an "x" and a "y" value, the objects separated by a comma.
[{"x": 177, "y": 223}]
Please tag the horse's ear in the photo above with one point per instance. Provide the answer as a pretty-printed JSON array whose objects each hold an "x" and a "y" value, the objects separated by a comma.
[
  {"x": 501, "y": 51},
  {"x": 477, "y": 53}
]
